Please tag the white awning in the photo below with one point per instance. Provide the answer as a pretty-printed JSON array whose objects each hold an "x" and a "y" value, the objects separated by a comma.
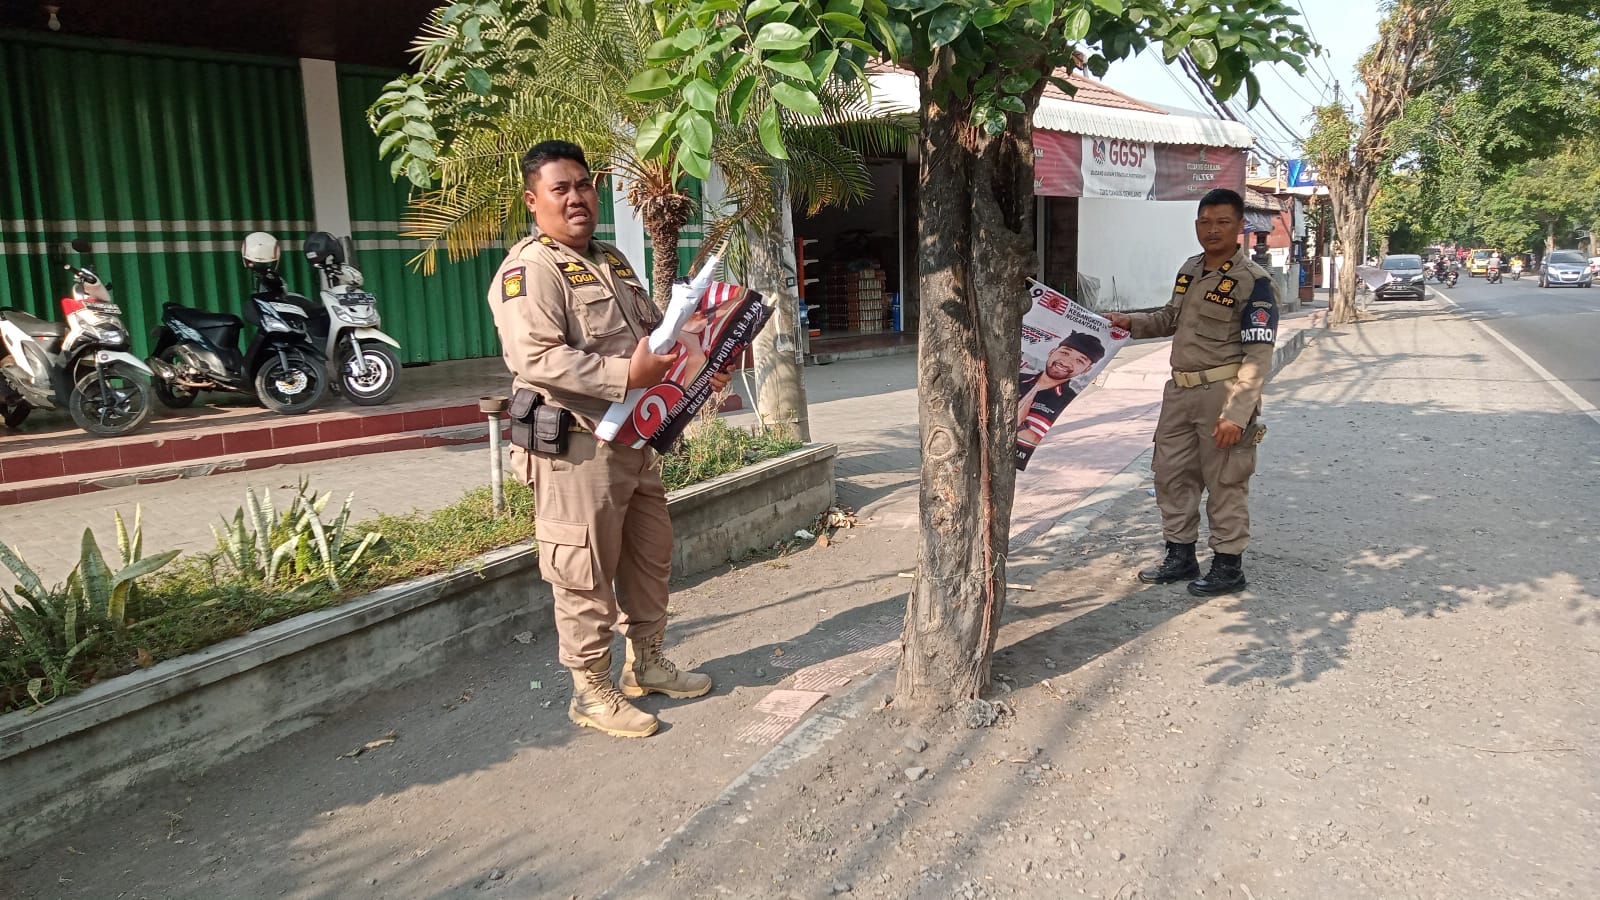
[{"x": 1136, "y": 125}]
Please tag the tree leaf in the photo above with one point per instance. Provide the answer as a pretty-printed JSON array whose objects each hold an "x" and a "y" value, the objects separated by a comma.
[
  {"x": 849, "y": 23},
  {"x": 990, "y": 16},
  {"x": 701, "y": 95},
  {"x": 688, "y": 39},
  {"x": 1077, "y": 25},
  {"x": 823, "y": 66},
  {"x": 421, "y": 130},
  {"x": 695, "y": 129},
  {"x": 947, "y": 24},
  {"x": 651, "y": 84},
  {"x": 760, "y": 8},
  {"x": 796, "y": 70},
  {"x": 739, "y": 103},
  {"x": 730, "y": 69},
  {"x": 1111, "y": 6},
  {"x": 478, "y": 82},
  {"x": 1204, "y": 53},
  {"x": 665, "y": 50},
  {"x": 648, "y": 143},
  {"x": 797, "y": 98},
  {"x": 695, "y": 164},
  {"x": 1042, "y": 10},
  {"x": 772, "y": 133},
  {"x": 1019, "y": 82},
  {"x": 1252, "y": 90},
  {"x": 421, "y": 150},
  {"x": 779, "y": 36}
]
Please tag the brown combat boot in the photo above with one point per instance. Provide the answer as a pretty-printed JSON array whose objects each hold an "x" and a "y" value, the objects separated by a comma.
[
  {"x": 649, "y": 671},
  {"x": 596, "y": 703}
]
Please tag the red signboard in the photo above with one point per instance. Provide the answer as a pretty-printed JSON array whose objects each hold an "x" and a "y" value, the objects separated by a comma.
[{"x": 1075, "y": 165}]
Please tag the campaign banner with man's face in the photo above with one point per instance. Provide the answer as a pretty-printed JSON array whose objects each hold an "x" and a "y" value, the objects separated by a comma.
[
  {"x": 725, "y": 320},
  {"x": 1064, "y": 346}
]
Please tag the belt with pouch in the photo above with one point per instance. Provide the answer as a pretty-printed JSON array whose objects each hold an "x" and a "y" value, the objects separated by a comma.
[
  {"x": 1209, "y": 376},
  {"x": 540, "y": 427}
]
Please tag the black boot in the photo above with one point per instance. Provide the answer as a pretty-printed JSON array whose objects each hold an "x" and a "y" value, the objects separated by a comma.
[
  {"x": 1180, "y": 565},
  {"x": 1226, "y": 576}
]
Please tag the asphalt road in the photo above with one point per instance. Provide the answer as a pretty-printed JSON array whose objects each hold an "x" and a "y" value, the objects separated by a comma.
[{"x": 1558, "y": 327}]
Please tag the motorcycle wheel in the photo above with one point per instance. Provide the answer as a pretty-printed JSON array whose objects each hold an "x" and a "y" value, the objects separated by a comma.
[
  {"x": 117, "y": 403},
  {"x": 16, "y": 413},
  {"x": 293, "y": 390},
  {"x": 375, "y": 377},
  {"x": 173, "y": 397}
]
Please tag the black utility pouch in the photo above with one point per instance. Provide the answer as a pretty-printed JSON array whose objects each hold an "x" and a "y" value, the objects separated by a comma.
[
  {"x": 524, "y": 403},
  {"x": 550, "y": 427}
]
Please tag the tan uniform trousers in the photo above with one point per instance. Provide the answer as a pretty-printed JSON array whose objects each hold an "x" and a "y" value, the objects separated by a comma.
[
  {"x": 605, "y": 542},
  {"x": 1187, "y": 461}
]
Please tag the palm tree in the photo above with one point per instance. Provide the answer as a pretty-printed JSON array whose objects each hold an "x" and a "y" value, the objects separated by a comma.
[{"x": 480, "y": 98}]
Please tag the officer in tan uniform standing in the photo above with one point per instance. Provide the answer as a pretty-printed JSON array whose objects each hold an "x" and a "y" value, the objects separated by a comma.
[
  {"x": 1223, "y": 320},
  {"x": 573, "y": 318}
]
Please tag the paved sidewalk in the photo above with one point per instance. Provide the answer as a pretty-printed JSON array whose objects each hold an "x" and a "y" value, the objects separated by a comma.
[{"x": 1406, "y": 675}]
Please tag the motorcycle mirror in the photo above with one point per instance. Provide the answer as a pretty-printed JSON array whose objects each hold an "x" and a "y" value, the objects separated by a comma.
[{"x": 80, "y": 245}]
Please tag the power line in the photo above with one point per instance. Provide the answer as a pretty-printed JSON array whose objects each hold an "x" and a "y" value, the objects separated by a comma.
[
  {"x": 1312, "y": 31},
  {"x": 1296, "y": 91}
]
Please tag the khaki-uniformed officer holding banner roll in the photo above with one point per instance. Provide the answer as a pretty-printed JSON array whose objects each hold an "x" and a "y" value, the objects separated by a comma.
[
  {"x": 573, "y": 317},
  {"x": 1223, "y": 320}
]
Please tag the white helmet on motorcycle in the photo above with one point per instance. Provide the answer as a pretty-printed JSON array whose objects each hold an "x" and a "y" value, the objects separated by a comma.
[{"x": 260, "y": 251}]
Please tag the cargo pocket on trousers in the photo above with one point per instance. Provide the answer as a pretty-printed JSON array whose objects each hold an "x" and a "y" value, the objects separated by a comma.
[
  {"x": 565, "y": 557},
  {"x": 1239, "y": 466}
]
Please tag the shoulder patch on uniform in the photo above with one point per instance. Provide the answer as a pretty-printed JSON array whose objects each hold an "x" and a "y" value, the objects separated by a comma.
[
  {"x": 513, "y": 283},
  {"x": 577, "y": 274}
]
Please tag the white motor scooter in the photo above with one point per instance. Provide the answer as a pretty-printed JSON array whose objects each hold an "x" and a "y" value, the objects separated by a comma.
[
  {"x": 82, "y": 366},
  {"x": 365, "y": 368}
]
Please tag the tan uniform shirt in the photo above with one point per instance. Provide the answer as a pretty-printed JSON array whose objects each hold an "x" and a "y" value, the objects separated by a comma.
[
  {"x": 568, "y": 323},
  {"x": 1228, "y": 315}
]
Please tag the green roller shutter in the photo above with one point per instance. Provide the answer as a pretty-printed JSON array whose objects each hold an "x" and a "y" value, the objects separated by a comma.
[
  {"x": 163, "y": 159},
  {"x": 435, "y": 317}
]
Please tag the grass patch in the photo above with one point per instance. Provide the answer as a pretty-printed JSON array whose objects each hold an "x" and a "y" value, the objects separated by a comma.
[{"x": 203, "y": 599}]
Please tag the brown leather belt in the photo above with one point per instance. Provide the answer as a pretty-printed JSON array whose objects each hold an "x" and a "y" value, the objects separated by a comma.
[{"x": 1209, "y": 376}]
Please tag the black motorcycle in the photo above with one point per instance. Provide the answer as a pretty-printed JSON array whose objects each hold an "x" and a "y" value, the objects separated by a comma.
[{"x": 196, "y": 351}]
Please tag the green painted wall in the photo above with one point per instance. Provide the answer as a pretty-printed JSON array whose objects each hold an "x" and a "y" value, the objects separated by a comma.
[{"x": 164, "y": 160}]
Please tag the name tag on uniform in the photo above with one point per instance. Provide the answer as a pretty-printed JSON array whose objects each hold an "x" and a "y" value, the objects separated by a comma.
[
  {"x": 622, "y": 269},
  {"x": 1220, "y": 299},
  {"x": 1182, "y": 286},
  {"x": 578, "y": 275}
]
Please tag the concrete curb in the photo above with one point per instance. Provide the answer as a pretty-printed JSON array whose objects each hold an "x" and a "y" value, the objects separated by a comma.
[{"x": 186, "y": 714}]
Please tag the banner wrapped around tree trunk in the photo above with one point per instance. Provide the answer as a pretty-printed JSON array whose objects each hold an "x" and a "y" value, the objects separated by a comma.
[
  {"x": 1064, "y": 346},
  {"x": 712, "y": 324}
]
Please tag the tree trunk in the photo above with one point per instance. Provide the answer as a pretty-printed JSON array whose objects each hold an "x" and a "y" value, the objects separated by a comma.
[
  {"x": 1349, "y": 195},
  {"x": 664, "y": 268},
  {"x": 1383, "y": 247},
  {"x": 1550, "y": 238},
  {"x": 977, "y": 248},
  {"x": 780, "y": 389}
]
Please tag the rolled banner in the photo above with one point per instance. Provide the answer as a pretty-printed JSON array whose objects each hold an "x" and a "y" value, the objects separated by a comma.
[{"x": 686, "y": 296}]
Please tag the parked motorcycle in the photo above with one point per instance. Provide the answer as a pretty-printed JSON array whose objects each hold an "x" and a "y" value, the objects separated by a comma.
[
  {"x": 83, "y": 366},
  {"x": 194, "y": 350},
  {"x": 345, "y": 326}
]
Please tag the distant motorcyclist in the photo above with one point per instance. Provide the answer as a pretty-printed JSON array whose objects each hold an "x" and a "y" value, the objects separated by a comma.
[{"x": 1492, "y": 274}]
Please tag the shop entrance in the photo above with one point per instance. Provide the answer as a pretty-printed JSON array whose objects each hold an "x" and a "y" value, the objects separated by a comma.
[{"x": 859, "y": 261}]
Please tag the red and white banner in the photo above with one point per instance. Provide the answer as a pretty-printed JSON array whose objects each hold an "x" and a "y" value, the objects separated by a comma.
[{"x": 1076, "y": 165}]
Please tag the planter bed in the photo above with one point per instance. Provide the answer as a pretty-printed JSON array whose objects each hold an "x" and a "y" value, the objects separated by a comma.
[{"x": 179, "y": 717}]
